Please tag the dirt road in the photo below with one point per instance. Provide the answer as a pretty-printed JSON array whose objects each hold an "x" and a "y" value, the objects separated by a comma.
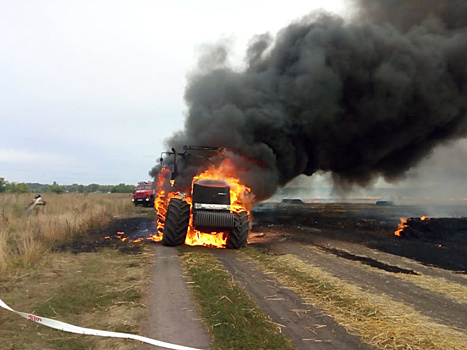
[
  {"x": 355, "y": 249},
  {"x": 172, "y": 314}
]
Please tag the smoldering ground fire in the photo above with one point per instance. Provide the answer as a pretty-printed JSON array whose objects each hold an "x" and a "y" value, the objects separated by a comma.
[{"x": 359, "y": 98}]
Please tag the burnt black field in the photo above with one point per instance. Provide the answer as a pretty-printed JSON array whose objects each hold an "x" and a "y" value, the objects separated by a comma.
[{"x": 439, "y": 241}]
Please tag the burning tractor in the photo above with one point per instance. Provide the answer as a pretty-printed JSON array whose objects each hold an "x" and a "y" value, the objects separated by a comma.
[{"x": 213, "y": 214}]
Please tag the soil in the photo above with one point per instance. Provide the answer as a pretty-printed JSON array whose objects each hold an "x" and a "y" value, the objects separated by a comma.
[
  {"x": 119, "y": 234},
  {"x": 308, "y": 327},
  {"x": 172, "y": 315},
  {"x": 354, "y": 242}
]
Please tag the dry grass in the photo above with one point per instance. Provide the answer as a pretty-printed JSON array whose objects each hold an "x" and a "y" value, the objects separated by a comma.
[
  {"x": 100, "y": 290},
  {"x": 376, "y": 318},
  {"x": 25, "y": 235},
  {"x": 454, "y": 291}
]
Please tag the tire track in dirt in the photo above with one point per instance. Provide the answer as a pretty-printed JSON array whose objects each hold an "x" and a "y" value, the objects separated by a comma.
[
  {"x": 324, "y": 238},
  {"x": 434, "y": 305},
  {"x": 307, "y": 326},
  {"x": 171, "y": 311}
]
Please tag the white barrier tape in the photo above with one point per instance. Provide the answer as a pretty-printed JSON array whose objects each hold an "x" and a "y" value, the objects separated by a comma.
[{"x": 80, "y": 330}]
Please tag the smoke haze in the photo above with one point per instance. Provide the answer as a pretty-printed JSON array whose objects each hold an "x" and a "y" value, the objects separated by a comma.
[{"x": 361, "y": 99}]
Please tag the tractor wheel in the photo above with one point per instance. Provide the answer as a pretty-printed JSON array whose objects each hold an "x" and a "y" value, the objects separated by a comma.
[
  {"x": 239, "y": 234},
  {"x": 176, "y": 222}
]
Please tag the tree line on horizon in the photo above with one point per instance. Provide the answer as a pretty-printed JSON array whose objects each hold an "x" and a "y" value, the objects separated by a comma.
[{"x": 23, "y": 187}]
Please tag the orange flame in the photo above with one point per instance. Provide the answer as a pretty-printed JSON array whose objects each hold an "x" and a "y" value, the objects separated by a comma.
[
  {"x": 239, "y": 197},
  {"x": 400, "y": 227},
  {"x": 161, "y": 203}
]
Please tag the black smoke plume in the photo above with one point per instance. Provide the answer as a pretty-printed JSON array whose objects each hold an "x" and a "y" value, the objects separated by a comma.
[{"x": 359, "y": 98}]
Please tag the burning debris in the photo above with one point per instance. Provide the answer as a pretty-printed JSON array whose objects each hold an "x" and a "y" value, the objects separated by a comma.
[
  {"x": 358, "y": 98},
  {"x": 432, "y": 229}
]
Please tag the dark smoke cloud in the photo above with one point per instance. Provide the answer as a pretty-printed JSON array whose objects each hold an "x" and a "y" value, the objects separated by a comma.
[
  {"x": 361, "y": 99},
  {"x": 403, "y": 14}
]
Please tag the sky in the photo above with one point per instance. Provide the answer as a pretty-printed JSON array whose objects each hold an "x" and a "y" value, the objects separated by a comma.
[{"x": 89, "y": 90}]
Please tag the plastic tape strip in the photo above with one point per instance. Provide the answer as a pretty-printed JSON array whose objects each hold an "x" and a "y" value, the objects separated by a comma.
[{"x": 80, "y": 330}]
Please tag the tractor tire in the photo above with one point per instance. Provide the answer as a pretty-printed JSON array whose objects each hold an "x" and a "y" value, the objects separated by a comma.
[
  {"x": 239, "y": 234},
  {"x": 176, "y": 223}
]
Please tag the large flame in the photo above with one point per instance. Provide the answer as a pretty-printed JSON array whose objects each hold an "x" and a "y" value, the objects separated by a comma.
[
  {"x": 161, "y": 202},
  {"x": 240, "y": 197}
]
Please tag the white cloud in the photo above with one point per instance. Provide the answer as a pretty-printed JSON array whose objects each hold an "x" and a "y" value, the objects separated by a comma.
[
  {"x": 33, "y": 158},
  {"x": 94, "y": 87}
]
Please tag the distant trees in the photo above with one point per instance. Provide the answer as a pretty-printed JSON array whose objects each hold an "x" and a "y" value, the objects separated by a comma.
[
  {"x": 94, "y": 188},
  {"x": 122, "y": 188},
  {"x": 13, "y": 187},
  {"x": 75, "y": 188},
  {"x": 56, "y": 189}
]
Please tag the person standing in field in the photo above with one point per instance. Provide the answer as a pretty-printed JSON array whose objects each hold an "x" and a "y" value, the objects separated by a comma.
[{"x": 37, "y": 204}]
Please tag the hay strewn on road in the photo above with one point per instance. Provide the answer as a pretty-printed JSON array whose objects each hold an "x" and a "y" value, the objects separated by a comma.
[
  {"x": 454, "y": 291},
  {"x": 378, "y": 320}
]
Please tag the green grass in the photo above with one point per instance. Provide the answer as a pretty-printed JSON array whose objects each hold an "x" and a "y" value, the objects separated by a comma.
[
  {"x": 86, "y": 296},
  {"x": 234, "y": 320},
  {"x": 73, "y": 343}
]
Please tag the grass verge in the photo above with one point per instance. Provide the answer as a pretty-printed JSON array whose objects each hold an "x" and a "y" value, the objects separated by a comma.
[
  {"x": 378, "y": 320},
  {"x": 233, "y": 318},
  {"x": 100, "y": 290}
]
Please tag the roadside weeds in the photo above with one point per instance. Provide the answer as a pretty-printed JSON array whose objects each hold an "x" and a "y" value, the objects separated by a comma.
[{"x": 234, "y": 320}]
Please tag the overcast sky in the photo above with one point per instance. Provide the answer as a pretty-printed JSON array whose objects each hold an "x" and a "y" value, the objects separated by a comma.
[{"x": 90, "y": 89}]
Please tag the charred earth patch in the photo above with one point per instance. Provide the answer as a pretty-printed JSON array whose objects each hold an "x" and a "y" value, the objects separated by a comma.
[
  {"x": 441, "y": 242},
  {"x": 368, "y": 261},
  {"x": 121, "y": 234}
]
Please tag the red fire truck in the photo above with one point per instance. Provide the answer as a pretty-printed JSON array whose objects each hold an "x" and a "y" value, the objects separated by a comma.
[{"x": 144, "y": 194}]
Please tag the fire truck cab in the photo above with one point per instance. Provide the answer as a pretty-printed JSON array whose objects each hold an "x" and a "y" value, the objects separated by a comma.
[{"x": 144, "y": 194}]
